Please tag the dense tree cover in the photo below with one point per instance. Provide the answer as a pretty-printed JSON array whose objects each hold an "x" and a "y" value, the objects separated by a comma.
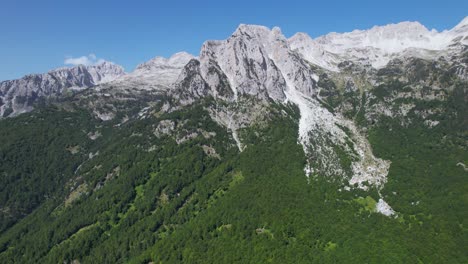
[
  {"x": 34, "y": 160},
  {"x": 131, "y": 176},
  {"x": 142, "y": 198},
  {"x": 275, "y": 216}
]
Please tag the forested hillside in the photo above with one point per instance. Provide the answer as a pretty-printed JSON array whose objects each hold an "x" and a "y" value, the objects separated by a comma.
[{"x": 127, "y": 193}]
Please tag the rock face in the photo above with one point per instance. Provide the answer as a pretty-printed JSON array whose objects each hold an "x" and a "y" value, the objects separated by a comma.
[
  {"x": 255, "y": 61},
  {"x": 244, "y": 60},
  {"x": 191, "y": 86},
  {"x": 18, "y": 96}
]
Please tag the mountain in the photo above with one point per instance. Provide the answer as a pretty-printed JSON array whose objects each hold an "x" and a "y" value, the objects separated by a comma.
[
  {"x": 348, "y": 148},
  {"x": 157, "y": 73},
  {"x": 18, "y": 96},
  {"x": 256, "y": 61},
  {"x": 380, "y": 44}
]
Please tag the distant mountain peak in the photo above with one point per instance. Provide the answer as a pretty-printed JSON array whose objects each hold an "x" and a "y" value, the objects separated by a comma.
[
  {"x": 17, "y": 96},
  {"x": 377, "y": 45},
  {"x": 178, "y": 59},
  {"x": 159, "y": 73}
]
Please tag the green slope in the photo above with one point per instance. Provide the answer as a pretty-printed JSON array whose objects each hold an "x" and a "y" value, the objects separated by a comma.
[{"x": 177, "y": 204}]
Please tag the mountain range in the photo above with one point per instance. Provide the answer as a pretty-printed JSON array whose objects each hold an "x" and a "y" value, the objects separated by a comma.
[
  {"x": 372, "y": 49},
  {"x": 306, "y": 150}
]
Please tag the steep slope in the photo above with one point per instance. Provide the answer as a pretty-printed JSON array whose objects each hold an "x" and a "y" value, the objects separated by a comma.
[{"x": 258, "y": 62}]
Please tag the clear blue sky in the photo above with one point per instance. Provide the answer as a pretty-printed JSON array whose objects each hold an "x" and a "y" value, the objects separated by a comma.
[{"x": 38, "y": 35}]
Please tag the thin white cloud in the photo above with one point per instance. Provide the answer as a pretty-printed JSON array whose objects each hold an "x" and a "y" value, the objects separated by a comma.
[{"x": 90, "y": 59}]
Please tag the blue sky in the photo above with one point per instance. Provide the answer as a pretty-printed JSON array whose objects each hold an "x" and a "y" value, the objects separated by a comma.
[{"x": 38, "y": 35}]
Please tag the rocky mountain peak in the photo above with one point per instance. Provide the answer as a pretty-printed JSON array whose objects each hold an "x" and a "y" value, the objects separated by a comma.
[
  {"x": 256, "y": 61},
  {"x": 251, "y": 30}
]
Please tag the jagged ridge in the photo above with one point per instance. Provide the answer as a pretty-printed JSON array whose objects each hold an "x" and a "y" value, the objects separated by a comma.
[{"x": 18, "y": 96}]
